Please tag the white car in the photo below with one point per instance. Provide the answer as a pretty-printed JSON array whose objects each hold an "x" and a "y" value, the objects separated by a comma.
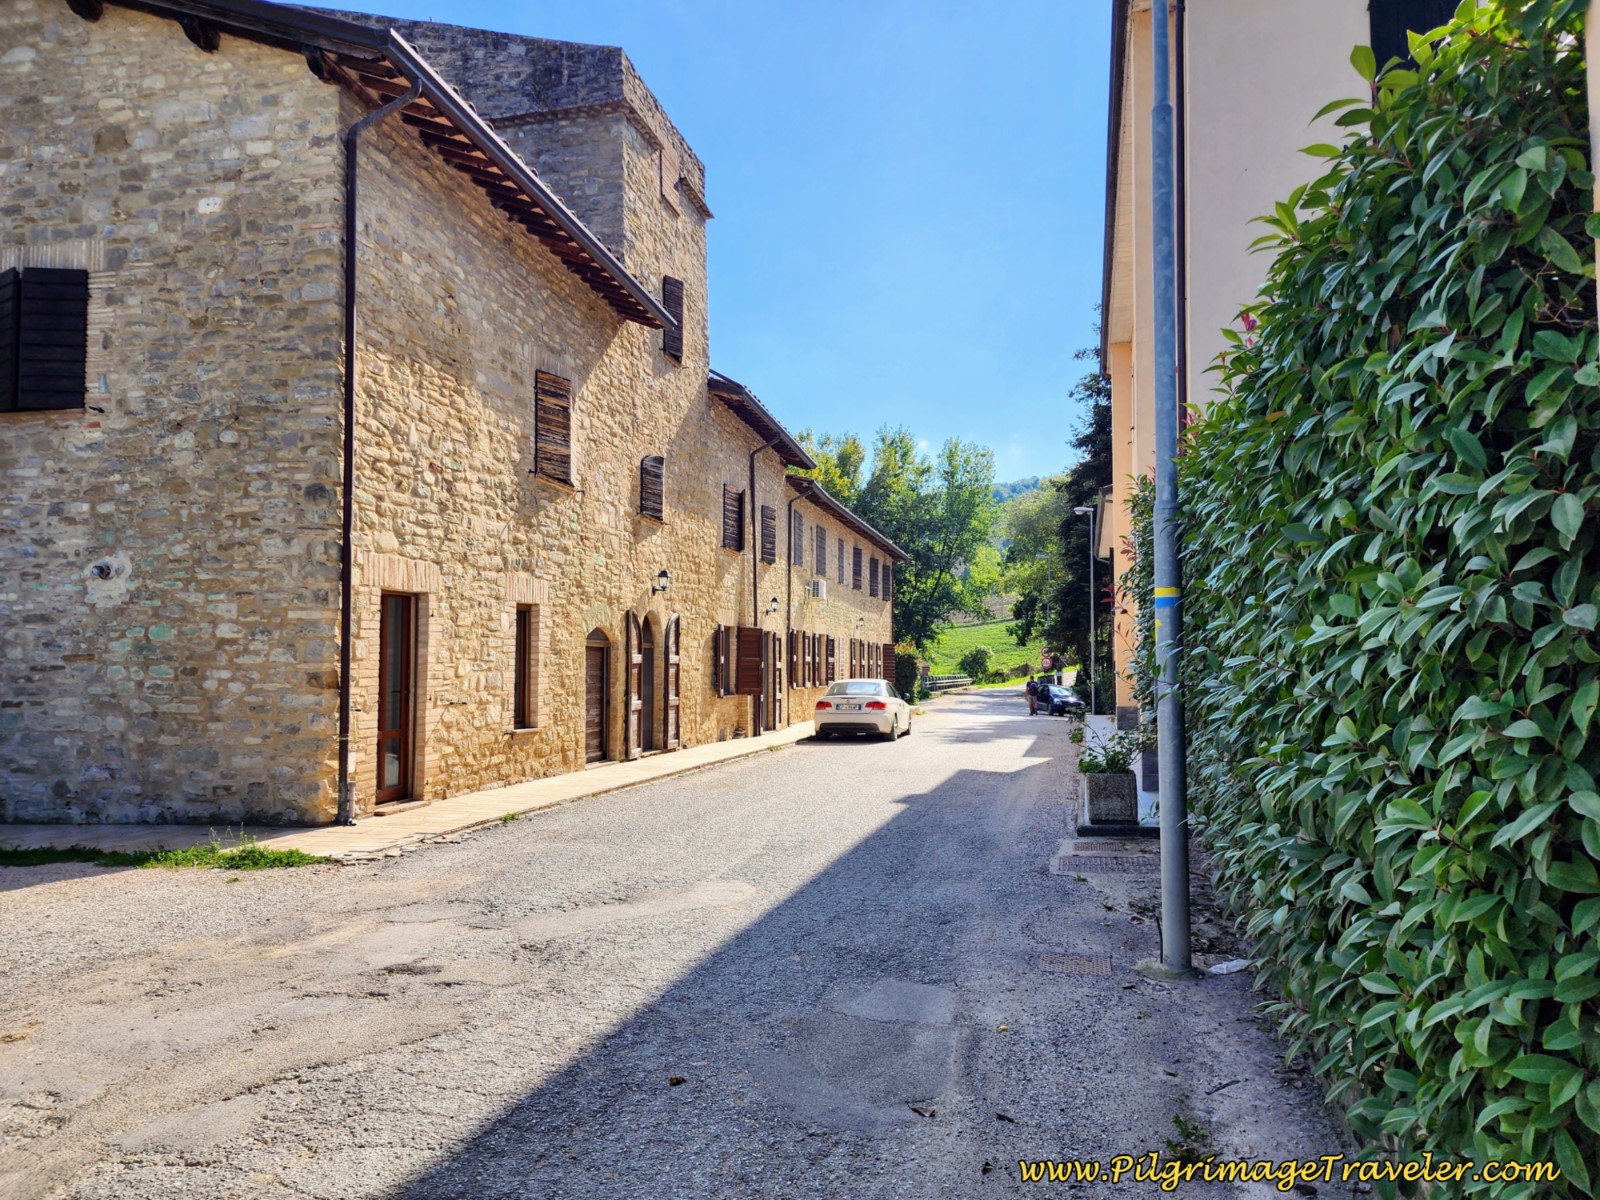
[{"x": 862, "y": 706}]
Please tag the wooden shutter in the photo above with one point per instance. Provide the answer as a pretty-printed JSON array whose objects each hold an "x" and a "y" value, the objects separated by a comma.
[
  {"x": 833, "y": 670},
  {"x": 672, "y": 301},
  {"x": 841, "y": 562},
  {"x": 732, "y": 519},
  {"x": 652, "y": 486},
  {"x": 773, "y": 662},
  {"x": 10, "y": 313},
  {"x": 822, "y": 552},
  {"x": 552, "y": 426},
  {"x": 888, "y": 661},
  {"x": 872, "y": 576},
  {"x": 521, "y": 669},
  {"x": 797, "y": 540},
  {"x": 818, "y": 646},
  {"x": 888, "y": 581},
  {"x": 674, "y": 672},
  {"x": 852, "y": 674},
  {"x": 794, "y": 658},
  {"x": 721, "y": 681},
  {"x": 769, "y": 534},
  {"x": 51, "y": 320},
  {"x": 747, "y": 667},
  {"x": 634, "y": 725}
]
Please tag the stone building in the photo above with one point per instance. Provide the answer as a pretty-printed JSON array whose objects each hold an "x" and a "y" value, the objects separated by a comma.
[{"x": 355, "y": 391}]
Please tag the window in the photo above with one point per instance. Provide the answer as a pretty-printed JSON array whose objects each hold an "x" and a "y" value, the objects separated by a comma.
[
  {"x": 44, "y": 338},
  {"x": 855, "y": 569},
  {"x": 732, "y": 519},
  {"x": 872, "y": 576},
  {"x": 1391, "y": 19},
  {"x": 769, "y": 534},
  {"x": 652, "y": 486},
  {"x": 672, "y": 301},
  {"x": 524, "y": 667},
  {"x": 841, "y": 563},
  {"x": 552, "y": 452},
  {"x": 797, "y": 540},
  {"x": 822, "y": 551}
]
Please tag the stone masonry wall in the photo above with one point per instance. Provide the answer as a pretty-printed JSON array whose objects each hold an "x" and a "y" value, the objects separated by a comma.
[{"x": 196, "y": 679}]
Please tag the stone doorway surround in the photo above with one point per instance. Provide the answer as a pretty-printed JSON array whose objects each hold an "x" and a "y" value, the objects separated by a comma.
[{"x": 375, "y": 575}]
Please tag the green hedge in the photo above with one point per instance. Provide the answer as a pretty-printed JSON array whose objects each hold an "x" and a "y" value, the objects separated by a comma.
[{"x": 1392, "y": 589}]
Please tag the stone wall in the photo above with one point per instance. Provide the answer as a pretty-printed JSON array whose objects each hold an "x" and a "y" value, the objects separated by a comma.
[{"x": 169, "y": 554}]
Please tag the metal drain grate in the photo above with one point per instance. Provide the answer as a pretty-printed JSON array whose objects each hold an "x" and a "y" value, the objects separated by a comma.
[
  {"x": 1076, "y": 964},
  {"x": 1109, "y": 864}
]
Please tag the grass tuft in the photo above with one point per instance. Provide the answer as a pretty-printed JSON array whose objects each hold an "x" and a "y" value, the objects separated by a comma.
[{"x": 247, "y": 855}]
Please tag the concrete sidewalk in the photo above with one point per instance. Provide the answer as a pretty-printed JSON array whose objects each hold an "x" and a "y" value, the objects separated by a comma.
[{"x": 381, "y": 834}]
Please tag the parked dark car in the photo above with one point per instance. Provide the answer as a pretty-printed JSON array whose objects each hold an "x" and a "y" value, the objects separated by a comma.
[{"x": 1063, "y": 700}]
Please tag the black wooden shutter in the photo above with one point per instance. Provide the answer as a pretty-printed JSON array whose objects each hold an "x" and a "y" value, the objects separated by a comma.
[
  {"x": 672, "y": 301},
  {"x": 872, "y": 576},
  {"x": 1391, "y": 19},
  {"x": 855, "y": 569},
  {"x": 51, "y": 320},
  {"x": 719, "y": 661},
  {"x": 553, "y": 426},
  {"x": 10, "y": 311},
  {"x": 732, "y": 519},
  {"x": 652, "y": 486},
  {"x": 769, "y": 534}
]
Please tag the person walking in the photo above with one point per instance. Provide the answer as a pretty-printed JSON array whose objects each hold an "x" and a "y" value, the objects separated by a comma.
[{"x": 1033, "y": 696}]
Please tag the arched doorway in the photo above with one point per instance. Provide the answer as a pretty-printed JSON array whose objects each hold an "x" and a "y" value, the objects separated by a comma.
[
  {"x": 647, "y": 686},
  {"x": 596, "y": 714}
]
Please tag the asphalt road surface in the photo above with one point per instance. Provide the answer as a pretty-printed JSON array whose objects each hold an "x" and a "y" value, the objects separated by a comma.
[{"x": 832, "y": 970}]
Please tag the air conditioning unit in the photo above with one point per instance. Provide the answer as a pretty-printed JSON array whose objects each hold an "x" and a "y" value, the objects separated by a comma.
[{"x": 819, "y": 589}]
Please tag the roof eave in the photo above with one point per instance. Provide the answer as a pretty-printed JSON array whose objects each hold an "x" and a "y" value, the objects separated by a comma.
[
  {"x": 820, "y": 496},
  {"x": 765, "y": 425},
  {"x": 1119, "y": 39}
]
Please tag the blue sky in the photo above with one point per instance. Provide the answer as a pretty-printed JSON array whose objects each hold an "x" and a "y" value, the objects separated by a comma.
[{"x": 908, "y": 195}]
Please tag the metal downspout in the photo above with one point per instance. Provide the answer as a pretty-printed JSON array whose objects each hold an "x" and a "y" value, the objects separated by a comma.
[
  {"x": 757, "y": 702},
  {"x": 352, "y": 146}
]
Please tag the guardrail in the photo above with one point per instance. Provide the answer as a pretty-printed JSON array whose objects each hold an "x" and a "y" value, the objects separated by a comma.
[{"x": 943, "y": 683}]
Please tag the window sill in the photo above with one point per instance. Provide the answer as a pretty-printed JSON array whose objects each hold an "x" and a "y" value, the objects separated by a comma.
[
  {"x": 560, "y": 485},
  {"x": 732, "y": 552},
  {"x": 649, "y": 520},
  {"x": 522, "y": 731}
]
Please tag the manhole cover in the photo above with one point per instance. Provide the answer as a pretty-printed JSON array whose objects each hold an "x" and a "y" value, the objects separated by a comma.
[
  {"x": 1076, "y": 964},
  {"x": 1109, "y": 864}
]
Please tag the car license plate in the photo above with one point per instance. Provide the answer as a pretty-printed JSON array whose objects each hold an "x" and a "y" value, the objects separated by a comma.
[{"x": 849, "y": 708}]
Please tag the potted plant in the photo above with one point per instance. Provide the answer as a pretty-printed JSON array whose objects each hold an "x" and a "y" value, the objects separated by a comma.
[{"x": 1110, "y": 793}]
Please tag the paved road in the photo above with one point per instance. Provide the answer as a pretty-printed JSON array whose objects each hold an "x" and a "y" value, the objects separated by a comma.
[{"x": 820, "y": 972}]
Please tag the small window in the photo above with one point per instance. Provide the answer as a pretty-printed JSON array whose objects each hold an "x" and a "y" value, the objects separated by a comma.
[
  {"x": 855, "y": 569},
  {"x": 524, "y": 668},
  {"x": 732, "y": 519},
  {"x": 553, "y": 426},
  {"x": 872, "y": 576},
  {"x": 672, "y": 301},
  {"x": 822, "y": 551},
  {"x": 652, "y": 486},
  {"x": 44, "y": 339},
  {"x": 769, "y": 534}
]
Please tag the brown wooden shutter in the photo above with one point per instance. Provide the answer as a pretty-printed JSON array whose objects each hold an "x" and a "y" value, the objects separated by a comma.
[
  {"x": 888, "y": 661},
  {"x": 773, "y": 661},
  {"x": 672, "y": 301},
  {"x": 841, "y": 562},
  {"x": 819, "y": 646},
  {"x": 721, "y": 681},
  {"x": 888, "y": 581},
  {"x": 822, "y": 552},
  {"x": 653, "y": 486},
  {"x": 51, "y": 340},
  {"x": 797, "y": 539},
  {"x": 833, "y": 670},
  {"x": 794, "y": 658},
  {"x": 732, "y": 519},
  {"x": 674, "y": 680},
  {"x": 10, "y": 315},
  {"x": 553, "y": 426},
  {"x": 634, "y": 724},
  {"x": 855, "y": 569},
  {"x": 872, "y": 575},
  {"x": 852, "y": 674},
  {"x": 769, "y": 534},
  {"x": 747, "y": 669}
]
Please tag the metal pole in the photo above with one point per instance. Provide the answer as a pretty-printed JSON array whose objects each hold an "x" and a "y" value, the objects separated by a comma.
[
  {"x": 1094, "y": 674},
  {"x": 1168, "y": 579}
]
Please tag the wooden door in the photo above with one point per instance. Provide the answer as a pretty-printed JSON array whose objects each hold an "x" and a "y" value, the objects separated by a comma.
[
  {"x": 594, "y": 702},
  {"x": 647, "y": 689},
  {"x": 774, "y": 681},
  {"x": 670, "y": 653},
  {"x": 634, "y": 674},
  {"x": 397, "y": 641}
]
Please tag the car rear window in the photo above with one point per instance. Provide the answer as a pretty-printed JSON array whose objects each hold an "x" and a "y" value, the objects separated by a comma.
[{"x": 856, "y": 687}]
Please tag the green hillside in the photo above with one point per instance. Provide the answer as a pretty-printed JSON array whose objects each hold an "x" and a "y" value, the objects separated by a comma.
[{"x": 961, "y": 638}]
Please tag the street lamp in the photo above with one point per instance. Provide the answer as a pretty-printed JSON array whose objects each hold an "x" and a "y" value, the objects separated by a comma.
[
  {"x": 1086, "y": 510},
  {"x": 772, "y": 606},
  {"x": 662, "y": 583}
]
